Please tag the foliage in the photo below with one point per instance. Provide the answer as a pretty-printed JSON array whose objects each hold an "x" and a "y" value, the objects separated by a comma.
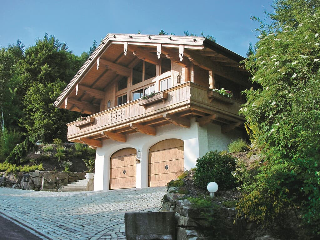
[
  {"x": 8, "y": 140},
  {"x": 87, "y": 154},
  {"x": 46, "y": 70},
  {"x": 10, "y": 101},
  {"x": 223, "y": 92},
  {"x": 283, "y": 115},
  {"x": 214, "y": 167},
  {"x": 20, "y": 151},
  {"x": 209, "y": 37},
  {"x": 162, "y": 32},
  {"x": 239, "y": 145},
  {"x": 8, "y": 167},
  {"x": 200, "y": 202}
]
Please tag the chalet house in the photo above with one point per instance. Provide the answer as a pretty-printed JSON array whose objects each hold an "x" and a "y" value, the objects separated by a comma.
[{"x": 151, "y": 107}]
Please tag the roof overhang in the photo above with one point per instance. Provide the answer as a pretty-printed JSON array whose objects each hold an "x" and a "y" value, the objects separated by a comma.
[{"x": 168, "y": 44}]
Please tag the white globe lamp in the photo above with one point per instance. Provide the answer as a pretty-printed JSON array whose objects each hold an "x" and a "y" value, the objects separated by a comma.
[{"x": 212, "y": 188}]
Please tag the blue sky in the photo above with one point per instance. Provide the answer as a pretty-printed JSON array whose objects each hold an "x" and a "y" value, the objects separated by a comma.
[{"x": 78, "y": 23}]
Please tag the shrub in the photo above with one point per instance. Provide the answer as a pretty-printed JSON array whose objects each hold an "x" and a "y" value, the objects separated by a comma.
[
  {"x": 215, "y": 167},
  {"x": 8, "y": 140},
  {"x": 238, "y": 146},
  {"x": 8, "y": 167}
]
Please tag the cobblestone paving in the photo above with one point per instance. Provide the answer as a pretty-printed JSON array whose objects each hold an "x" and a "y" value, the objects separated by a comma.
[{"x": 78, "y": 215}]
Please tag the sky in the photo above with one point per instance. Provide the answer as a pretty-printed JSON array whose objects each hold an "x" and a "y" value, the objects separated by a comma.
[{"x": 78, "y": 23}]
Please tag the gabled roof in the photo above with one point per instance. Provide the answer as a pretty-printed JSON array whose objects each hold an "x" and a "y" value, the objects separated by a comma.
[{"x": 113, "y": 47}]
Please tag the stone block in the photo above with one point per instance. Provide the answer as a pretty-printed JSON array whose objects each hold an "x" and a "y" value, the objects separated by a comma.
[
  {"x": 150, "y": 225},
  {"x": 185, "y": 234}
]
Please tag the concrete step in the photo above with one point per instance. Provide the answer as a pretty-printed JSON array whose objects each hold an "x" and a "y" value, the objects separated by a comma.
[{"x": 78, "y": 186}]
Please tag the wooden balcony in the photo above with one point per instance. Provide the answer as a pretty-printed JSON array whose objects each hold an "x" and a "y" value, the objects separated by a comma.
[{"x": 176, "y": 105}]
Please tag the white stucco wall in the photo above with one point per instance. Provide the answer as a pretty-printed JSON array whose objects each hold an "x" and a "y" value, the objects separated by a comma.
[{"x": 197, "y": 141}]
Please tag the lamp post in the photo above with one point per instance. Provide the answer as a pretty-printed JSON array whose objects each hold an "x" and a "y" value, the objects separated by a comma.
[{"x": 212, "y": 188}]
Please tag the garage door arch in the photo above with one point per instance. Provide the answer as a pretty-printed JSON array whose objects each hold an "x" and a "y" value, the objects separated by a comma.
[
  {"x": 123, "y": 169},
  {"x": 165, "y": 162}
]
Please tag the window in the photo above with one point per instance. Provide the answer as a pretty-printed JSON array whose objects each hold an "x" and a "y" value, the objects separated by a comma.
[
  {"x": 149, "y": 90},
  {"x": 122, "y": 99},
  {"x": 143, "y": 71},
  {"x": 122, "y": 83},
  {"x": 165, "y": 65},
  {"x": 137, "y": 94},
  {"x": 165, "y": 84},
  {"x": 150, "y": 70},
  {"x": 137, "y": 73}
]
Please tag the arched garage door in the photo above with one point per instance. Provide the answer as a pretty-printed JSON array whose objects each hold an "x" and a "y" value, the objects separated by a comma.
[
  {"x": 165, "y": 162},
  {"x": 123, "y": 169}
]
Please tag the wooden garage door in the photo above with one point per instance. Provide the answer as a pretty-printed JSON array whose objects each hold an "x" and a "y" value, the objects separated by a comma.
[
  {"x": 165, "y": 162},
  {"x": 123, "y": 169}
]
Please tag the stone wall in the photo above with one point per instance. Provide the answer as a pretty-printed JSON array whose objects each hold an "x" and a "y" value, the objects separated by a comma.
[
  {"x": 39, "y": 180},
  {"x": 193, "y": 223}
]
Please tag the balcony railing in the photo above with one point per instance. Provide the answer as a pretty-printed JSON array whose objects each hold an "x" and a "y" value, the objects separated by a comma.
[{"x": 180, "y": 97}]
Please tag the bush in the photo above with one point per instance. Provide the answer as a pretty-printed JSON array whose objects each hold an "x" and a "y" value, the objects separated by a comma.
[
  {"x": 8, "y": 141},
  {"x": 215, "y": 167},
  {"x": 238, "y": 146},
  {"x": 8, "y": 167}
]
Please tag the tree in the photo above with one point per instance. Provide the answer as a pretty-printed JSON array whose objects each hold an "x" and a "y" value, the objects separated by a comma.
[
  {"x": 47, "y": 68},
  {"x": 283, "y": 115}
]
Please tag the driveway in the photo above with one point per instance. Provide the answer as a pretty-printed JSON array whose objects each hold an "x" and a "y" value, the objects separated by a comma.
[{"x": 77, "y": 215}]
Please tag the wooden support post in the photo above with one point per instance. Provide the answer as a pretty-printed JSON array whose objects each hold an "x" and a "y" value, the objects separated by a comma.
[
  {"x": 93, "y": 92},
  {"x": 230, "y": 127},
  {"x": 121, "y": 70},
  {"x": 84, "y": 106},
  {"x": 119, "y": 137},
  {"x": 182, "y": 122},
  {"x": 211, "y": 80},
  {"x": 207, "y": 119},
  {"x": 145, "y": 129},
  {"x": 92, "y": 142}
]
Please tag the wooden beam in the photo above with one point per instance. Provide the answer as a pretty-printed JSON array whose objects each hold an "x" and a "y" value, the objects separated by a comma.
[
  {"x": 145, "y": 129},
  {"x": 216, "y": 67},
  {"x": 119, "y": 69},
  {"x": 92, "y": 92},
  {"x": 144, "y": 55},
  {"x": 182, "y": 122},
  {"x": 119, "y": 137},
  {"x": 174, "y": 57},
  {"x": 230, "y": 127},
  {"x": 207, "y": 119},
  {"x": 92, "y": 142},
  {"x": 84, "y": 106}
]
